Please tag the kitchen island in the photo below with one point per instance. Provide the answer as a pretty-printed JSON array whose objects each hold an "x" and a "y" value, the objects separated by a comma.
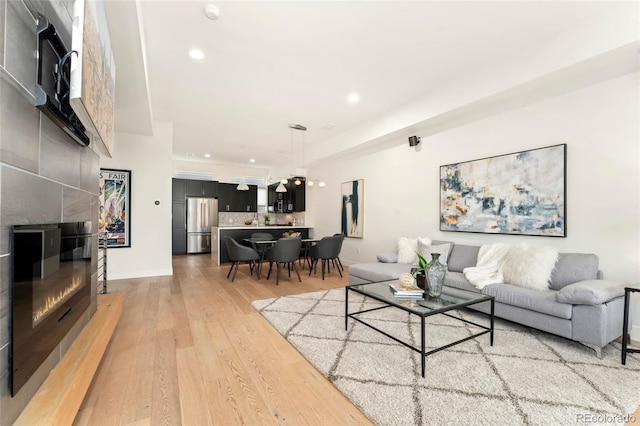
[{"x": 238, "y": 233}]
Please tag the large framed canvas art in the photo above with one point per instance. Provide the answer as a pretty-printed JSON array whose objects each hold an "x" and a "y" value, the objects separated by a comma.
[
  {"x": 353, "y": 208},
  {"x": 521, "y": 193},
  {"x": 115, "y": 207}
]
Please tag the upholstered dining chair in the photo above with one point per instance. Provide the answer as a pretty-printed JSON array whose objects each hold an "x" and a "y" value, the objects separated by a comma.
[
  {"x": 238, "y": 253},
  {"x": 337, "y": 259},
  {"x": 284, "y": 252},
  {"x": 327, "y": 249}
]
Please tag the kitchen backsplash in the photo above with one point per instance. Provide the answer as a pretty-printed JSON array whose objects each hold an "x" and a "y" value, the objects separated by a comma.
[{"x": 238, "y": 219}]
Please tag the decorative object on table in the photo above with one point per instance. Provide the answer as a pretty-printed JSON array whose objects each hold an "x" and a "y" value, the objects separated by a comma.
[
  {"x": 522, "y": 193},
  {"x": 435, "y": 272},
  {"x": 406, "y": 280},
  {"x": 291, "y": 234},
  {"x": 352, "y": 210},
  {"x": 267, "y": 219},
  {"x": 248, "y": 222},
  {"x": 406, "y": 289},
  {"x": 115, "y": 207},
  {"x": 419, "y": 272}
]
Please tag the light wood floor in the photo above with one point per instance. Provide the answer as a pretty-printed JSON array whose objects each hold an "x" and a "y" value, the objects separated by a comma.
[{"x": 190, "y": 349}]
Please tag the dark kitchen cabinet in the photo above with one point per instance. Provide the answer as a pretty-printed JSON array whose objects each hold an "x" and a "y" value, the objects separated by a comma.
[
  {"x": 202, "y": 188},
  {"x": 232, "y": 200},
  {"x": 178, "y": 227},
  {"x": 292, "y": 201},
  {"x": 178, "y": 189}
]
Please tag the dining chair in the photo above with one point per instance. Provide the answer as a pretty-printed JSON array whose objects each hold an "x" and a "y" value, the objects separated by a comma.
[
  {"x": 238, "y": 253},
  {"x": 328, "y": 248},
  {"x": 284, "y": 251},
  {"x": 340, "y": 249},
  {"x": 261, "y": 249}
]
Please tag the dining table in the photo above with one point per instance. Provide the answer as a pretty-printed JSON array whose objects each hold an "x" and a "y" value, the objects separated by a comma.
[{"x": 257, "y": 242}]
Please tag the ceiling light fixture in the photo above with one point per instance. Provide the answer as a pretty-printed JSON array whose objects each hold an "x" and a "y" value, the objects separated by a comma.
[
  {"x": 297, "y": 181},
  {"x": 252, "y": 160},
  {"x": 321, "y": 184},
  {"x": 281, "y": 188},
  {"x": 196, "y": 54},
  {"x": 353, "y": 98},
  {"x": 242, "y": 186},
  {"x": 212, "y": 11},
  {"x": 207, "y": 156}
]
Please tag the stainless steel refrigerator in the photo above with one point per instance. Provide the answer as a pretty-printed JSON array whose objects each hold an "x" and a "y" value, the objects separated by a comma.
[{"x": 202, "y": 214}]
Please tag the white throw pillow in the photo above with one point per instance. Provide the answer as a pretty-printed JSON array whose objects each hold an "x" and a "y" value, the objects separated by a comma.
[
  {"x": 426, "y": 250},
  {"x": 408, "y": 248},
  {"x": 529, "y": 266}
]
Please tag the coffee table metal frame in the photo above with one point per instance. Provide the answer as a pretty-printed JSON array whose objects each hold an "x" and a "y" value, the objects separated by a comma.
[{"x": 421, "y": 310}]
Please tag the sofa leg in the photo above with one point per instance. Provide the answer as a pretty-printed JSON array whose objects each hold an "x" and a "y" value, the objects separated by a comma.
[{"x": 598, "y": 349}]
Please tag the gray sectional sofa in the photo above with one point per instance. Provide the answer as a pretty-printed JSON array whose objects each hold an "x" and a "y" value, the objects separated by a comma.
[{"x": 579, "y": 305}]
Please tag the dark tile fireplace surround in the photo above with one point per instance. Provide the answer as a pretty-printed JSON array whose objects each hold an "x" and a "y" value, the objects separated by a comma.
[{"x": 45, "y": 178}]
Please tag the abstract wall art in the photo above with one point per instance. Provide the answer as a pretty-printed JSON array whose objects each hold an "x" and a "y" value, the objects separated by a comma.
[
  {"x": 353, "y": 208},
  {"x": 521, "y": 193}
]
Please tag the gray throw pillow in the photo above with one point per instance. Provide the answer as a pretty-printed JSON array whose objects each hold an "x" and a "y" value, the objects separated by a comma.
[
  {"x": 388, "y": 257},
  {"x": 590, "y": 292}
]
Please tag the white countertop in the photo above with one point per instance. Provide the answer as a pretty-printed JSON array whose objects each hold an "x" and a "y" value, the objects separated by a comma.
[{"x": 264, "y": 227}]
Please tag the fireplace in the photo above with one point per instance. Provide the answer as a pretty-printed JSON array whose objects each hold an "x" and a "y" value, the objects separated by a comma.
[{"x": 51, "y": 288}]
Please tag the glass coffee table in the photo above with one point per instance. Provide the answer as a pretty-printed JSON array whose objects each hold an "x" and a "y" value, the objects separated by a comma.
[{"x": 450, "y": 300}]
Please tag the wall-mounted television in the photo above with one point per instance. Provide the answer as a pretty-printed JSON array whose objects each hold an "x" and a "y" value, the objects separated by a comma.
[{"x": 52, "y": 81}]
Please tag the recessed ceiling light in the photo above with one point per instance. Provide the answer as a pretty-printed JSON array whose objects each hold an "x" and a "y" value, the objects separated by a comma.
[
  {"x": 252, "y": 160},
  {"x": 196, "y": 54},
  {"x": 353, "y": 98},
  {"x": 189, "y": 154},
  {"x": 321, "y": 183},
  {"x": 207, "y": 156}
]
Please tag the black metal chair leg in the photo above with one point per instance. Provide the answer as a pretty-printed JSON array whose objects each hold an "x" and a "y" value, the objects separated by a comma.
[
  {"x": 270, "y": 266},
  {"x": 231, "y": 269},
  {"x": 235, "y": 271},
  {"x": 278, "y": 268},
  {"x": 295, "y": 267}
]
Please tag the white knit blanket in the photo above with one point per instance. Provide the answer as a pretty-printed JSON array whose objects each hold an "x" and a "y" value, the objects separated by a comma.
[
  {"x": 488, "y": 269},
  {"x": 517, "y": 264}
]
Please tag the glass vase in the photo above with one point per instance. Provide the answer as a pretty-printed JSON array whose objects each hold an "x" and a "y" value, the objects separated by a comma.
[{"x": 436, "y": 272}]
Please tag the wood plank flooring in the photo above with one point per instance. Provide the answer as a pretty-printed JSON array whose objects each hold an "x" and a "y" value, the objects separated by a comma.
[{"x": 191, "y": 350}]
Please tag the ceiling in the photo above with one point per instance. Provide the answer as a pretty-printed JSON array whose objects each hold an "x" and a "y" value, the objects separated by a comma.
[{"x": 268, "y": 64}]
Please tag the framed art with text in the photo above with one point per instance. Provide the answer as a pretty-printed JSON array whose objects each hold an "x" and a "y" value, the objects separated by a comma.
[
  {"x": 115, "y": 207},
  {"x": 522, "y": 193},
  {"x": 352, "y": 210}
]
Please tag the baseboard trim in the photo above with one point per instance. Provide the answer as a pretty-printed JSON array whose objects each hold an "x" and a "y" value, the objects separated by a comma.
[{"x": 139, "y": 274}]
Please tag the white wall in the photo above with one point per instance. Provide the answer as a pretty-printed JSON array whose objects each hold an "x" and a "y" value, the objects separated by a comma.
[
  {"x": 149, "y": 159},
  {"x": 599, "y": 124}
]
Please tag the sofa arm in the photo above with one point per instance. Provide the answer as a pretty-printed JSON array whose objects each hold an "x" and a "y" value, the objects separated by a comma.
[
  {"x": 388, "y": 257},
  {"x": 590, "y": 292}
]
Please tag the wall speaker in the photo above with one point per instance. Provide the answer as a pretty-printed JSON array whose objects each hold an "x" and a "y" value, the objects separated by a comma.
[{"x": 414, "y": 140}]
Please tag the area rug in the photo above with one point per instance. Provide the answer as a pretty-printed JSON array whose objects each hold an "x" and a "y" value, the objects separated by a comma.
[{"x": 527, "y": 377}]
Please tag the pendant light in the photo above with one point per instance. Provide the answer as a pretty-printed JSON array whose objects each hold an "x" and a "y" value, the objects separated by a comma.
[
  {"x": 242, "y": 186},
  {"x": 281, "y": 188}
]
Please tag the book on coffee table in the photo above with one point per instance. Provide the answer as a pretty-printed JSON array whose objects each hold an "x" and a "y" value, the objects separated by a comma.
[{"x": 406, "y": 292}]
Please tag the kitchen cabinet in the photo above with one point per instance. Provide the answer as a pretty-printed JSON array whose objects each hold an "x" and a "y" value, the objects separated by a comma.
[
  {"x": 178, "y": 227},
  {"x": 292, "y": 201},
  {"x": 178, "y": 189},
  {"x": 232, "y": 200},
  {"x": 202, "y": 188}
]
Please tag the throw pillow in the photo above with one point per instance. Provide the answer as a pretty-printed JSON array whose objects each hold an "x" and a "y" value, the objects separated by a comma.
[
  {"x": 426, "y": 250},
  {"x": 388, "y": 257},
  {"x": 407, "y": 249},
  {"x": 529, "y": 266},
  {"x": 590, "y": 292}
]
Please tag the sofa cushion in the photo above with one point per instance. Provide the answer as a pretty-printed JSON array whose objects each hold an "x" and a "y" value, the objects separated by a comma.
[
  {"x": 388, "y": 257},
  {"x": 590, "y": 292},
  {"x": 462, "y": 256},
  {"x": 426, "y": 250},
  {"x": 573, "y": 267},
  {"x": 529, "y": 266},
  {"x": 539, "y": 301},
  {"x": 408, "y": 249},
  {"x": 378, "y": 271},
  {"x": 457, "y": 280}
]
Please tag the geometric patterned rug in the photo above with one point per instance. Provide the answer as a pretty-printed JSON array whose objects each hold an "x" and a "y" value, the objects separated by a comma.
[{"x": 527, "y": 377}]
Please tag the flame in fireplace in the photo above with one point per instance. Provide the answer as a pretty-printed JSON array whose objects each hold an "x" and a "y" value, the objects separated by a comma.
[{"x": 52, "y": 302}]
